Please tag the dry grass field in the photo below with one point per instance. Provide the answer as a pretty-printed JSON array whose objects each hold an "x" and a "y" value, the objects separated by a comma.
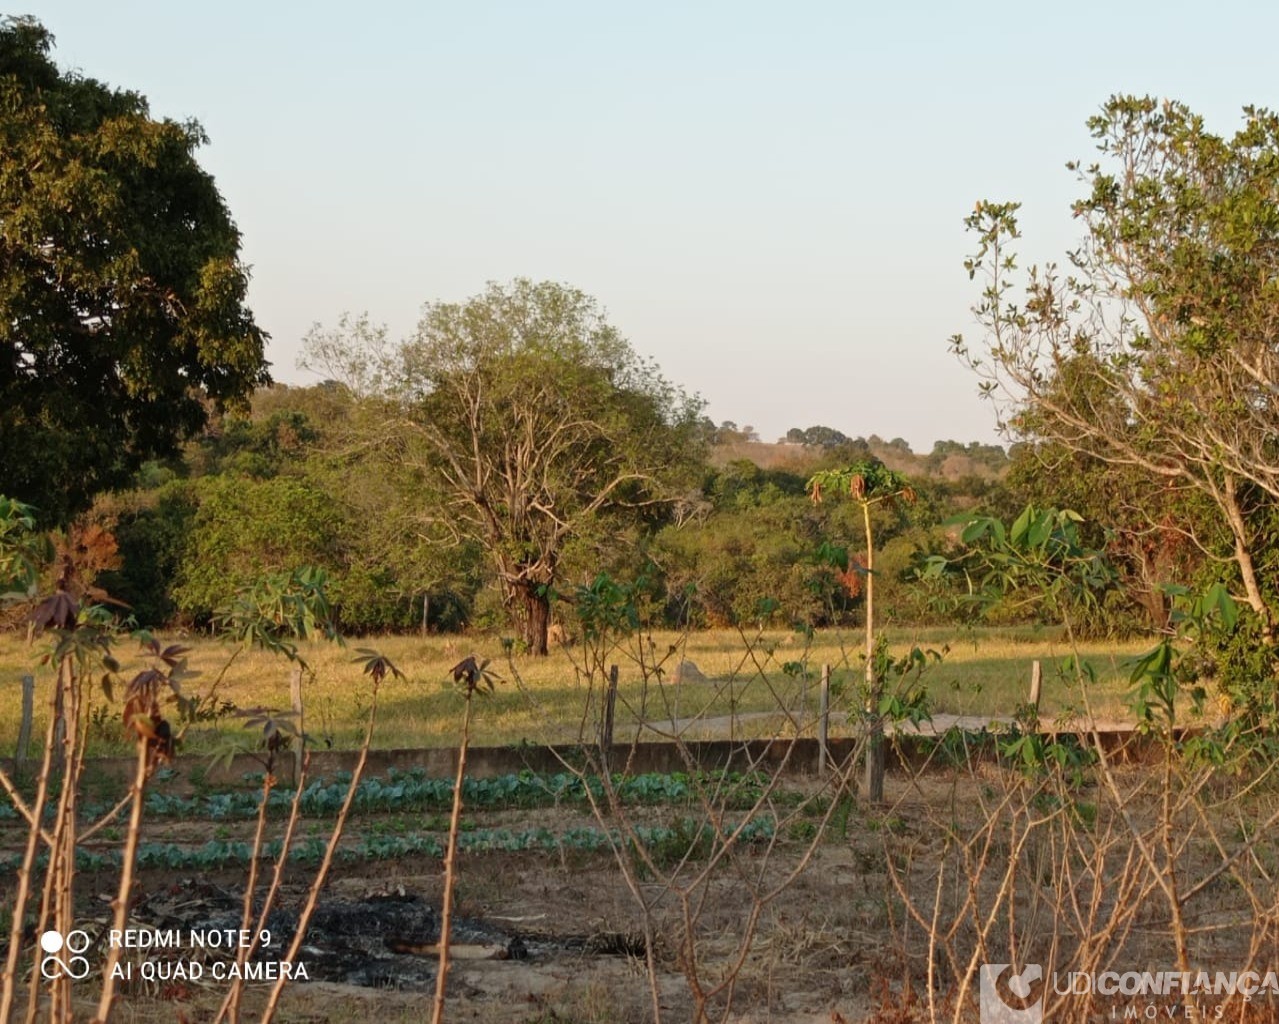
[{"x": 742, "y": 677}]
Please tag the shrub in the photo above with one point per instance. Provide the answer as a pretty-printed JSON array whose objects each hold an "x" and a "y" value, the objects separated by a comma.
[{"x": 245, "y": 529}]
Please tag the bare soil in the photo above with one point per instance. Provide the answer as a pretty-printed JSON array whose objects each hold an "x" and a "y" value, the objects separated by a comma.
[{"x": 557, "y": 936}]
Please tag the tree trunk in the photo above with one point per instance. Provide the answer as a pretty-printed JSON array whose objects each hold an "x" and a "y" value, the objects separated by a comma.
[
  {"x": 1243, "y": 556},
  {"x": 1149, "y": 595},
  {"x": 537, "y": 620}
]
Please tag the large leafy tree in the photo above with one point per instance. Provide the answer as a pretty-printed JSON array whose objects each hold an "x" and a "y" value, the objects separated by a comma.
[
  {"x": 534, "y": 426},
  {"x": 1158, "y": 353},
  {"x": 122, "y": 298}
]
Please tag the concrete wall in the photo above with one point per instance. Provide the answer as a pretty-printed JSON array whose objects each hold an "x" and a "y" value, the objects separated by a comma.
[{"x": 792, "y": 756}]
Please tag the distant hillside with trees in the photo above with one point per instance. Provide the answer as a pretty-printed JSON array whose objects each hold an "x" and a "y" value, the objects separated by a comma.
[{"x": 812, "y": 448}]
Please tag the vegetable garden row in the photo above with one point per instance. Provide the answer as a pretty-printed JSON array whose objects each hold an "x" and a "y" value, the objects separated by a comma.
[
  {"x": 228, "y": 854},
  {"x": 414, "y": 790}
]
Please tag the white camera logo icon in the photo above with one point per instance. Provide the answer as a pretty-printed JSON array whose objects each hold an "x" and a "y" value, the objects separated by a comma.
[
  {"x": 1015, "y": 1007},
  {"x": 75, "y": 966}
]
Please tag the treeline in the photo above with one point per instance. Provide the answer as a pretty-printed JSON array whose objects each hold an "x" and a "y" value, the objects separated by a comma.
[
  {"x": 950, "y": 460},
  {"x": 297, "y": 481},
  {"x": 316, "y": 476}
]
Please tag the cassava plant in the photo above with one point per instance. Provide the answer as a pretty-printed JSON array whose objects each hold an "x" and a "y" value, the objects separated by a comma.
[
  {"x": 745, "y": 837},
  {"x": 377, "y": 668},
  {"x": 275, "y": 615},
  {"x": 869, "y": 483},
  {"x": 473, "y": 676},
  {"x": 80, "y": 655},
  {"x": 1089, "y": 864}
]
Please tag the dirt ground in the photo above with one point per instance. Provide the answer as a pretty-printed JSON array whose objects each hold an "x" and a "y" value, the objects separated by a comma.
[
  {"x": 815, "y": 955},
  {"x": 557, "y": 936},
  {"x": 815, "y": 958}
]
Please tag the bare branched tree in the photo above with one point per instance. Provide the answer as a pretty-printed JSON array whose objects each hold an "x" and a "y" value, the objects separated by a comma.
[
  {"x": 534, "y": 422},
  {"x": 1159, "y": 348}
]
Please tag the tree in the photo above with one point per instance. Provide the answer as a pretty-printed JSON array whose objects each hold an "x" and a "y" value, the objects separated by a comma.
[
  {"x": 869, "y": 483},
  {"x": 1140, "y": 530},
  {"x": 122, "y": 315},
  {"x": 729, "y": 432},
  {"x": 819, "y": 436},
  {"x": 1159, "y": 351},
  {"x": 245, "y": 529},
  {"x": 534, "y": 423}
]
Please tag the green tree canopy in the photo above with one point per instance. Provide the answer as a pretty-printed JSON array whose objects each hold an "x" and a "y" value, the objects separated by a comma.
[
  {"x": 122, "y": 298},
  {"x": 244, "y": 529},
  {"x": 819, "y": 436},
  {"x": 534, "y": 423},
  {"x": 1159, "y": 351}
]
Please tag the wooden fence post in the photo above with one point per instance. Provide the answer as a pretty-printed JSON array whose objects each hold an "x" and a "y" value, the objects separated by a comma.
[
  {"x": 823, "y": 723},
  {"x": 295, "y": 691},
  {"x": 610, "y": 702},
  {"x": 24, "y": 730},
  {"x": 1036, "y": 681},
  {"x": 606, "y": 727}
]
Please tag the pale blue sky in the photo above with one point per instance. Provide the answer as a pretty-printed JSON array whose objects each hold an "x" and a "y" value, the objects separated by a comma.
[{"x": 768, "y": 199}]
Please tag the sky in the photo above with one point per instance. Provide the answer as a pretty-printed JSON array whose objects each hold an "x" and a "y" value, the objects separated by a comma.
[{"x": 767, "y": 199}]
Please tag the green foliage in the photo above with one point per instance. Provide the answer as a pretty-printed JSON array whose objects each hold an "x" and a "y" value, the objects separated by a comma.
[
  {"x": 818, "y": 437},
  {"x": 188, "y": 545},
  {"x": 1211, "y": 637},
  {"x": 899, "y": 695},
  {"x": 686, "y": 840},
  {"x": 606, "y": 608},
  {"x": 277, "y": 609},
  {"x": 245, "y": 529},
  {"x": 534, "y": 424},
  {"x": 368, "y": 598},
  {"x": 1036, "y": 755},
  {"x": 868, "y": 481},
  {"x": 903, "y": 595},
  {"x": 258, "y": 447},
  {"x": 718, "y": 572},
  {"x": 1245, "y": 664},
  {"x": 1150, "y": 367},
  {"x": 743, "y": 485},
  {"x": 972, "y": 456},
  {"x": 21, "y": 551},
  {"x": 220, "y": 853},
  {"x": 1149, "y": 532},
  {"x": 152, "y": 530},
  {"x": 762, "y": 543},
  {"x": 122, "y": 315},
  {"x": 1039, "y": 561},
  {"x": 313, "y": 476},
  {"x": 414, "y": 790}
]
